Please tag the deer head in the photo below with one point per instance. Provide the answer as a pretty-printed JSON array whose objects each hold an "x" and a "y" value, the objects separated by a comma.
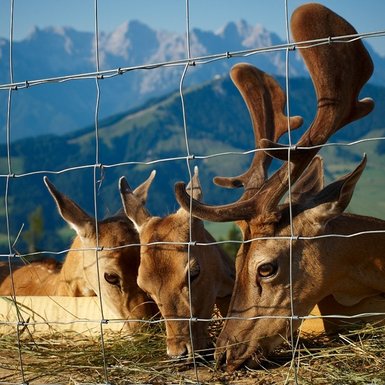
[
  {"x": 172, "y": 267},
  {"x": 114, "y": 263},
  {"x": 279, "y": 272},
  {"x": 261, "y": 301}
]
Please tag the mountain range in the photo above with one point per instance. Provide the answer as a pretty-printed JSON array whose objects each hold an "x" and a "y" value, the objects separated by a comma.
[{"x": 58, "y": 108}]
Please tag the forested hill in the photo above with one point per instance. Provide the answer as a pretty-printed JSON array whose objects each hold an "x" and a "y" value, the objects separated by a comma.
[{"x": 217, "y": 121}]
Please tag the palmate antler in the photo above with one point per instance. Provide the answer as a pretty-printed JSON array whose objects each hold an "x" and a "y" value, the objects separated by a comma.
[
  {"x": 265, "y": 101},
  {"x": 338, "y": 71}
]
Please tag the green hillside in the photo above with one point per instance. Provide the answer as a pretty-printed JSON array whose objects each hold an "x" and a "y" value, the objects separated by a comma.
[
  {"x": 217, "y": 122},
  {"x": 369, "y": 196}
]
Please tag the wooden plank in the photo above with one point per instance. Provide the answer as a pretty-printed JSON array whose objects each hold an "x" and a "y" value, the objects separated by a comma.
[
  {"x": 49, "y": 314},
  {"x": 83, "y": 315}
]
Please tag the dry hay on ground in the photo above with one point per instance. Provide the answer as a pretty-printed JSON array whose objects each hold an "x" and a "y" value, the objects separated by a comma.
[{"x": 357, "y": 357}]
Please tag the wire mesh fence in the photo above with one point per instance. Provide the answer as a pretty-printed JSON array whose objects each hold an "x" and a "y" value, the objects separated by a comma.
[{"x": 96, "y": 347}]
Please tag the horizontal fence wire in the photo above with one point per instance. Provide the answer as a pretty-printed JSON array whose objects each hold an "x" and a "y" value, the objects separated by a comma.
[
  {"x": 104, "y": 75},
  {"x": 192, "y": 243},
  {"x": 193, "y": 61}
]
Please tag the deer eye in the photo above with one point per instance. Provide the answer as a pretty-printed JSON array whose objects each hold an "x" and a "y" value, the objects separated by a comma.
[
  {"x": 194, "y": 270},
  {"x": 112, "y": 279},
  {"x": 267, "y": 270}
]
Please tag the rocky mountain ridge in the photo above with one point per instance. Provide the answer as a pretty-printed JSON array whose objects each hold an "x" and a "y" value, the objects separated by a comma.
[{"x": 57, "y": 108}]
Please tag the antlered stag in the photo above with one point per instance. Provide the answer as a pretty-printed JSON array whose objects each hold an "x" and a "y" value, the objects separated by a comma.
[
  {"x": 282, "y": 270},
  {"x": 78, "y": 275},
  {"x": 179, "y": 258}
]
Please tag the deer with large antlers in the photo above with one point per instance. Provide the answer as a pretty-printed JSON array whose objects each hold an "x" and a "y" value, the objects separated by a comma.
[
  {"x": 115, "y": 264},
  {"x": 284, "y": 268},
  {"x": 179, "y": 258}
]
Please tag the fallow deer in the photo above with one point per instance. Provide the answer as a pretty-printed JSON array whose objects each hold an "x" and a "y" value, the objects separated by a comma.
[
  {"x": 282, "y": 270},
  {"x": 178, "y": 258},
  {"x": 107, "y": 250}
]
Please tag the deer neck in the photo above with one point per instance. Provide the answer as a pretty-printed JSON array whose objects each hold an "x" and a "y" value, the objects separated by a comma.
[
  {"x": 359, "y": 261},
  {"x": 225, "y": 273},
  {"x": 36, "y": 278}
]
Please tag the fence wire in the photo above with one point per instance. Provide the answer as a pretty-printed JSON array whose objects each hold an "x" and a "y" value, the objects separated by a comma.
[{"x": 97, "y": 168}]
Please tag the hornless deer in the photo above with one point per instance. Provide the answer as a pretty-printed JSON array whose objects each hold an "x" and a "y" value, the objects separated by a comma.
[
  {"x": 78, "y": 275},
  {"x": 172, "y": 266},
  {"x": 281, "y": 264}
]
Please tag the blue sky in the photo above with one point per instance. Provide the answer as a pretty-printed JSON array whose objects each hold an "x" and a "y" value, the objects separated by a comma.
[{"x": 366, "y": 16}]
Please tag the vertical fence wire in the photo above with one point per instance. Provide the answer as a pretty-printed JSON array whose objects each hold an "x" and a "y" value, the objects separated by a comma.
[
  {"x": 188, "y": 159},
  {"x": 98, "y": 168},
  {"x": 287, "y": 89},
  {"x": 11, "y": 256}
]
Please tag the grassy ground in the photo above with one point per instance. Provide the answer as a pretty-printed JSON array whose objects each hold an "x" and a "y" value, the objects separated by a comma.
[{"x": 356, "y": 357}]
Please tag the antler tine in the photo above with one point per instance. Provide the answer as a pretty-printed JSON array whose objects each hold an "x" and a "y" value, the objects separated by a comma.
[
  {"x": 194, "y": 188},
  {"x": 265, "y": 101},
  {"x": 338, "y": 70}
]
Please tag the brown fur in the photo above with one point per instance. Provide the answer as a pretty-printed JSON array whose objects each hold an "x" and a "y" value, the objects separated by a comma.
[
  {"x": 85, "y": 270},
  {"x": 163, "y": 274},
  {"x": 313, "y": 265}
]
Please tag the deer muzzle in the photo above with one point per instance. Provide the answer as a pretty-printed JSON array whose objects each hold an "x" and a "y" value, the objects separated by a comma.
[{"x": 179, "y": 348}]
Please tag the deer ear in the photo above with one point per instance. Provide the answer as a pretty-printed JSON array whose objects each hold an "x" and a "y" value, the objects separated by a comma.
[
  {"x": 335, "y": 198},
  {"x": 310, "y": 183},
  {"x": 193, "y": 189},
  {"x": 133, "y": 205},
  {"x": 74, "y": 215},
  {"x": 141, "y": 192}
]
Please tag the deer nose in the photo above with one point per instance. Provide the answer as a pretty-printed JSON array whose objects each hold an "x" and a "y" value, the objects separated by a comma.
[{"x": 178, "y": 353}]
